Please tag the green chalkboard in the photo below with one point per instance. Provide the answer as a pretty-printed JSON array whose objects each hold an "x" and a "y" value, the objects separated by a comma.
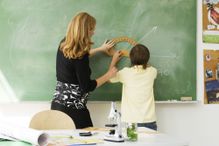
[{"x": 30, "y": 31}]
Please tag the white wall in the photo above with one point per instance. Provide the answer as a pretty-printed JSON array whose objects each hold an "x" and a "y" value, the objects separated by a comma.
[{"x": 195, "y": 122}]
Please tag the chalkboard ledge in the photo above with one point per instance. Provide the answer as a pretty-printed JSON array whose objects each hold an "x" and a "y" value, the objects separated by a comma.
[
  {"x": 91, "y": 102},
  {"x": 178, "y": 101},
  {"x": 167, "y": 101}
]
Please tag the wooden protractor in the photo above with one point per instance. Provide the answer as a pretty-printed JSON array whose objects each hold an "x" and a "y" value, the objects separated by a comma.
[{"x": 125, "y": 53}]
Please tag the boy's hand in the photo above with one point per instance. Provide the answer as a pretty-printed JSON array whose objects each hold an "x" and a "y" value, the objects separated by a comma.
[{"x": 117, "y": 56}]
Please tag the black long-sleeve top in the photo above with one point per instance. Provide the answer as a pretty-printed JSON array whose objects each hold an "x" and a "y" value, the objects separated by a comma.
[{"x": 75, "y": 71}]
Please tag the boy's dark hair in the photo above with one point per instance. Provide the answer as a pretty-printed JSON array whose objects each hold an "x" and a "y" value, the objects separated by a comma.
[{"x": 139, "y": 55}]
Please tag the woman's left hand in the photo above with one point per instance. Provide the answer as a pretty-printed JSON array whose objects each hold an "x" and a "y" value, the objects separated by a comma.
[{"x": 107, "y": 45}]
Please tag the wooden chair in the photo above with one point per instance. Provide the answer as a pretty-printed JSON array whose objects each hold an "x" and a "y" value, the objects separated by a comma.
[{"x": 51, "y": 119}]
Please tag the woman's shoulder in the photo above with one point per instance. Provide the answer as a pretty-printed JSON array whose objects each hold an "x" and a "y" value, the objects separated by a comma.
[
  {"x": 62, "y": 40},
  {"x": 82, "y": 60},
  {"x": 84, "y": 57}
]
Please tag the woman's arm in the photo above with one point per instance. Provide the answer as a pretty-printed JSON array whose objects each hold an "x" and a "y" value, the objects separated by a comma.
[
  {"x": 103, "y": 48},
  {"x": 104, "y": 78},
  {"x": 112, "y": 69},
  {"x": 83, "y": 73}
]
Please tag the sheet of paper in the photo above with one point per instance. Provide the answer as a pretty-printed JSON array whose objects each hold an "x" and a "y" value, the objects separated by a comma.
[{"x": 36, "y": 137}]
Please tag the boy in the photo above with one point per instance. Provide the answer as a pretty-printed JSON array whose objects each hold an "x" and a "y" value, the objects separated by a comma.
[{"x": 137, "y": 104}]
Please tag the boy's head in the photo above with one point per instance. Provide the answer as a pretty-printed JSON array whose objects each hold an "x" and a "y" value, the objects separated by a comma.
[{"x": 139, "y": 55}]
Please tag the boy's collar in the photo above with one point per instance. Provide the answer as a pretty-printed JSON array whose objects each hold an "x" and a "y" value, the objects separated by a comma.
[{"x": 138, "y": 66}]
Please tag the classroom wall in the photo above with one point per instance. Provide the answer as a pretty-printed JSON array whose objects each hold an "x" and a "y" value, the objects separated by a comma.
[{"x": 195, "y": 122}]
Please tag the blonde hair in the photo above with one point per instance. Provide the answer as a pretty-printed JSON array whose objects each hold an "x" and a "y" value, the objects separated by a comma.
[{"x": 78, "y": 41}]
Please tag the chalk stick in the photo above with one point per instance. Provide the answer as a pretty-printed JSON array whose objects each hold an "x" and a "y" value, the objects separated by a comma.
[{"x": 186, "y": 98}]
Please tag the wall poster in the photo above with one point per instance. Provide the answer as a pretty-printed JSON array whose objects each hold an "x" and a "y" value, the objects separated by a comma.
[
  {"x": 211, "y": 76},
  {"x": 210, "y": 21}
]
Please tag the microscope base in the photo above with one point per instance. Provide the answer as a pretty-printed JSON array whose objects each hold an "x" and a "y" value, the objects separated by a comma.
[{"x": 113, "y": 138}]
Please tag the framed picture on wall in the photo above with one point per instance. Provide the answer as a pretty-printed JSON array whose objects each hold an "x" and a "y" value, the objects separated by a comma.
[
  {"x": 210, "y": 19},
  {"x": 211, "y": 76}
]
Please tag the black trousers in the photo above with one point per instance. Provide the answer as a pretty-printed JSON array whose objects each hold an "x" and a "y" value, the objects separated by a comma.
[{"x": 81, "y": 117}]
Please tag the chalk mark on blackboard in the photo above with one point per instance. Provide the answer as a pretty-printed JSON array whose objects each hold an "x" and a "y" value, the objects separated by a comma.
[
  {"x": 15, "y": 41},
  {"x": 136, "y": 15},
  {"x": 10, "y": 22},
  {"x": 188, "y": 87},
  {"x": 163, "y": 72},
  {"x": 165, "y": 56},
  {"x": 153, "y": 30}
]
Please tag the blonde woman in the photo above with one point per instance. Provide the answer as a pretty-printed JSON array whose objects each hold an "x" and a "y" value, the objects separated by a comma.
[{"x": 73, "y": 71}]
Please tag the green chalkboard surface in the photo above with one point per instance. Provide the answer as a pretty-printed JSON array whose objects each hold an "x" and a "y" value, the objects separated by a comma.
[{"x": 30, "y": 31}]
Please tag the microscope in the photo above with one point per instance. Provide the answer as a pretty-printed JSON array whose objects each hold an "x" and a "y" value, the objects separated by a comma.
[{"x": 115, "y": 134}]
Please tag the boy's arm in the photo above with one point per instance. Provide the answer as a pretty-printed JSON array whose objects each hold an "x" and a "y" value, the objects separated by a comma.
[{"x": 116, "y": 57}]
